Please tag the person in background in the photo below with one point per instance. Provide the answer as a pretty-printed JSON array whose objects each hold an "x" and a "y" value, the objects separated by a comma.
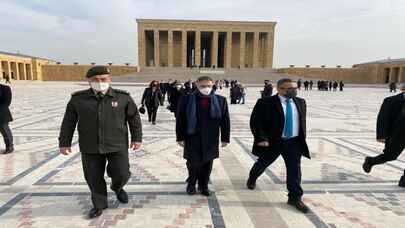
[
  {"x": 341, "y": 85},
  {"x": 176, "y": 94},
  {"x": 268, "y": 89},
  {"x": 152, "y": 97}
]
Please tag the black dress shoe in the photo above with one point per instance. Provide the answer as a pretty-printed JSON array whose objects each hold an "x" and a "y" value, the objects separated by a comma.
[
  {"x": 8, "y": 150},
  {"x": 367, "y": 165},
  {"x": 299, "y": 205},
  {"x": 94, "y": 213},
  {"x": 402, "y": 182},
  {"x": 122, "y": 196},
  {"x": 205, "y": 192},
  {"x": 251, "y": 183},
  {"x": 191, "y": 189}
]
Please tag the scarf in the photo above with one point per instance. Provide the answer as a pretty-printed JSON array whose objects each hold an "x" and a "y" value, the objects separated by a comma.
[{"x": 191, "y": 115}]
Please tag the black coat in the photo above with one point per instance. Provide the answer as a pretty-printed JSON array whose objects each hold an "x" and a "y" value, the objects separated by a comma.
[
  {"x": 389, "y": 115},
  {"x": 267, "y": 124},
  {"x": 203, "y": 146},
  {"x": 174, "y": 99},
  {"x": 151, "y": 99},
  {"x": 5, "y": 101}
]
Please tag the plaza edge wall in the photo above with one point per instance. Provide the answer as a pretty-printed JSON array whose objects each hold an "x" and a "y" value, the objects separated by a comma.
[
  {"x": 348, "y": 75},
  {"x": 78, "y": 72}
]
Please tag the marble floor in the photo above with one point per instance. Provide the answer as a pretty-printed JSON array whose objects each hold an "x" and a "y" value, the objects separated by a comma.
[{"x": 40, "y": 188}]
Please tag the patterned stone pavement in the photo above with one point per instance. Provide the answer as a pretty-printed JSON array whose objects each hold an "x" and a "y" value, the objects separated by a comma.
[{"x": 40, "y": 188}]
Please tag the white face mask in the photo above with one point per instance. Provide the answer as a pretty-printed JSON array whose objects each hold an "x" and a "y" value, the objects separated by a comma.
[
  {"x": 100, "y": 86},
  {"x": 205, "y": 91}
]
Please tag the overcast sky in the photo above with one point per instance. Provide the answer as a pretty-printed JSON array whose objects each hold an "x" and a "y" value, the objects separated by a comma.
[{"x": 315, "y": 32}]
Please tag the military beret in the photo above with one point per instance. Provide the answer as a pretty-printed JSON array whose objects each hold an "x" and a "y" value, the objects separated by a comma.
[{"x": 97, "y": 70}]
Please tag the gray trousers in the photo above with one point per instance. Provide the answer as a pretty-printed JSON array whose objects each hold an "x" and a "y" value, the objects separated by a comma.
[{"x": 7, "y": 135}]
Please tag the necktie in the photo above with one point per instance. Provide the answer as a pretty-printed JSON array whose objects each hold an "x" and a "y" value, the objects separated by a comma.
[{"x": 289, "y": 120}]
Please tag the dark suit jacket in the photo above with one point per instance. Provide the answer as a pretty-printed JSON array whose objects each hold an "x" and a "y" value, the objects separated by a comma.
[
  {"x": 151, "y": 99},
  {"x": 389, "y": 115},
  {"x": 267, "y": 124},
  {"x": 5, "y": 101}
]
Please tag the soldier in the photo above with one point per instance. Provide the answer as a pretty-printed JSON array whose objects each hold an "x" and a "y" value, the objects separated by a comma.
[{"x": 102, "y": 115}]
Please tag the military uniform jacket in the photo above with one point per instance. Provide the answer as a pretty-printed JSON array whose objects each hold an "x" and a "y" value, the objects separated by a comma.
[{"x": 102, "y": 123}]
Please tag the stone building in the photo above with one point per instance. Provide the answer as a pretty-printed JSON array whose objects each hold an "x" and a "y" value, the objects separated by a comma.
[
  {"x": 387, "y": 70},
  {"x": 208, "y": 44},
  {"x": 22, "y": 67}
]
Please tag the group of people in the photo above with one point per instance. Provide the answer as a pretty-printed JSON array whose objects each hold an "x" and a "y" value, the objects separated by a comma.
[
  {"x": 103, "y": 115},
  {"x": 329, "y": 85},
  {"x": 237, "y": 93}
]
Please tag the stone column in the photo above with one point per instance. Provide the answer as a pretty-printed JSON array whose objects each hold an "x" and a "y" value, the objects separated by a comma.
[
  {"x": 8, "y": 72},
  {"x": 269, "y": 49},
  {"x": 29, "y": 73},
  {"x": 197, "y": 50},
  {"x": 24, "y": 77},
  {"x": 401, "y": 74},
  {"x": 255, "y": 49},
  {"x": 1, "y": 70},
  {"x": 156, "y": 42},
  {"x": 170, "y": 47},
  {"x": 228, "y": 49},
  {"x": 214, "y": 48},
  {"x": 242, "y": 49},
  {"x": 17, "y": 71},
  {"x": 184, "y": 48},
  {"x": 391, "y": 74},
  {"x": 141, "y": 47}
]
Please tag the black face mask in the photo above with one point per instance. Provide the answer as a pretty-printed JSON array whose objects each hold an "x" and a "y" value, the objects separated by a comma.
[{"x": 292, "y": 93}]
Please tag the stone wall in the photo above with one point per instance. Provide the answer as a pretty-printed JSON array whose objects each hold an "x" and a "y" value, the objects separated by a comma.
[
  {"x": 348, "y": 75},
  {"x": 78, "y": 72}
]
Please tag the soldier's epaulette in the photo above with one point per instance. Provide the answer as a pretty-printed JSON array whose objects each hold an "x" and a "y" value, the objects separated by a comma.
[
  {"x": 121, "y": 91},
  {"x": 80, "y": 92}
]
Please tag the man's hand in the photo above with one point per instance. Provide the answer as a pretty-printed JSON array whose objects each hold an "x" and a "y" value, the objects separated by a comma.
[
  {"x": 381, "y": 140},
  {"x": 65, "y": 150},
  {"x": 135, "y": 145},
  {"x": 263, "y": 144},
  {"x": 224, "y": 144},
  {"x": 181, "y": 143}
]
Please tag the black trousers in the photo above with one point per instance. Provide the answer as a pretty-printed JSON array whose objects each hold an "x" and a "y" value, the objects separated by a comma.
[
  {"x": 94, "y": 166},
  {"x": 152, "y": 113},
  {"x": 391, "y": 152},
  {"x": 291, "y": 153},
  {"x": 199, "y": 171},
  {"x": 7, "y": 135}
]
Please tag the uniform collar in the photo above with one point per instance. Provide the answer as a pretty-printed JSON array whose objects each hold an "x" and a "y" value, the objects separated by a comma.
[{"x": 110, "y": 92}]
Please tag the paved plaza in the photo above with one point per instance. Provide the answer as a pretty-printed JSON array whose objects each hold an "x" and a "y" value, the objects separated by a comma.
[{"x": 40, "y": 188}]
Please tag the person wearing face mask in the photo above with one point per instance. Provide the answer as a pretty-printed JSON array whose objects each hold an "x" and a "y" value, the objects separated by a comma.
[
  {"x": 175, "y": 97},
  {"x": 152, "y": 97},
  {"x": 202, "y": 120},
  {"x": 390, "y": 131},
  {"x": 102, "y": 115},
  {"x": 278, "y": 124}
]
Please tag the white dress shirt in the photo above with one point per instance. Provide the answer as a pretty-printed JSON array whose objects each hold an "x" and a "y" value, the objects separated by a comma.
[{"x": 296, "y": 118}]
